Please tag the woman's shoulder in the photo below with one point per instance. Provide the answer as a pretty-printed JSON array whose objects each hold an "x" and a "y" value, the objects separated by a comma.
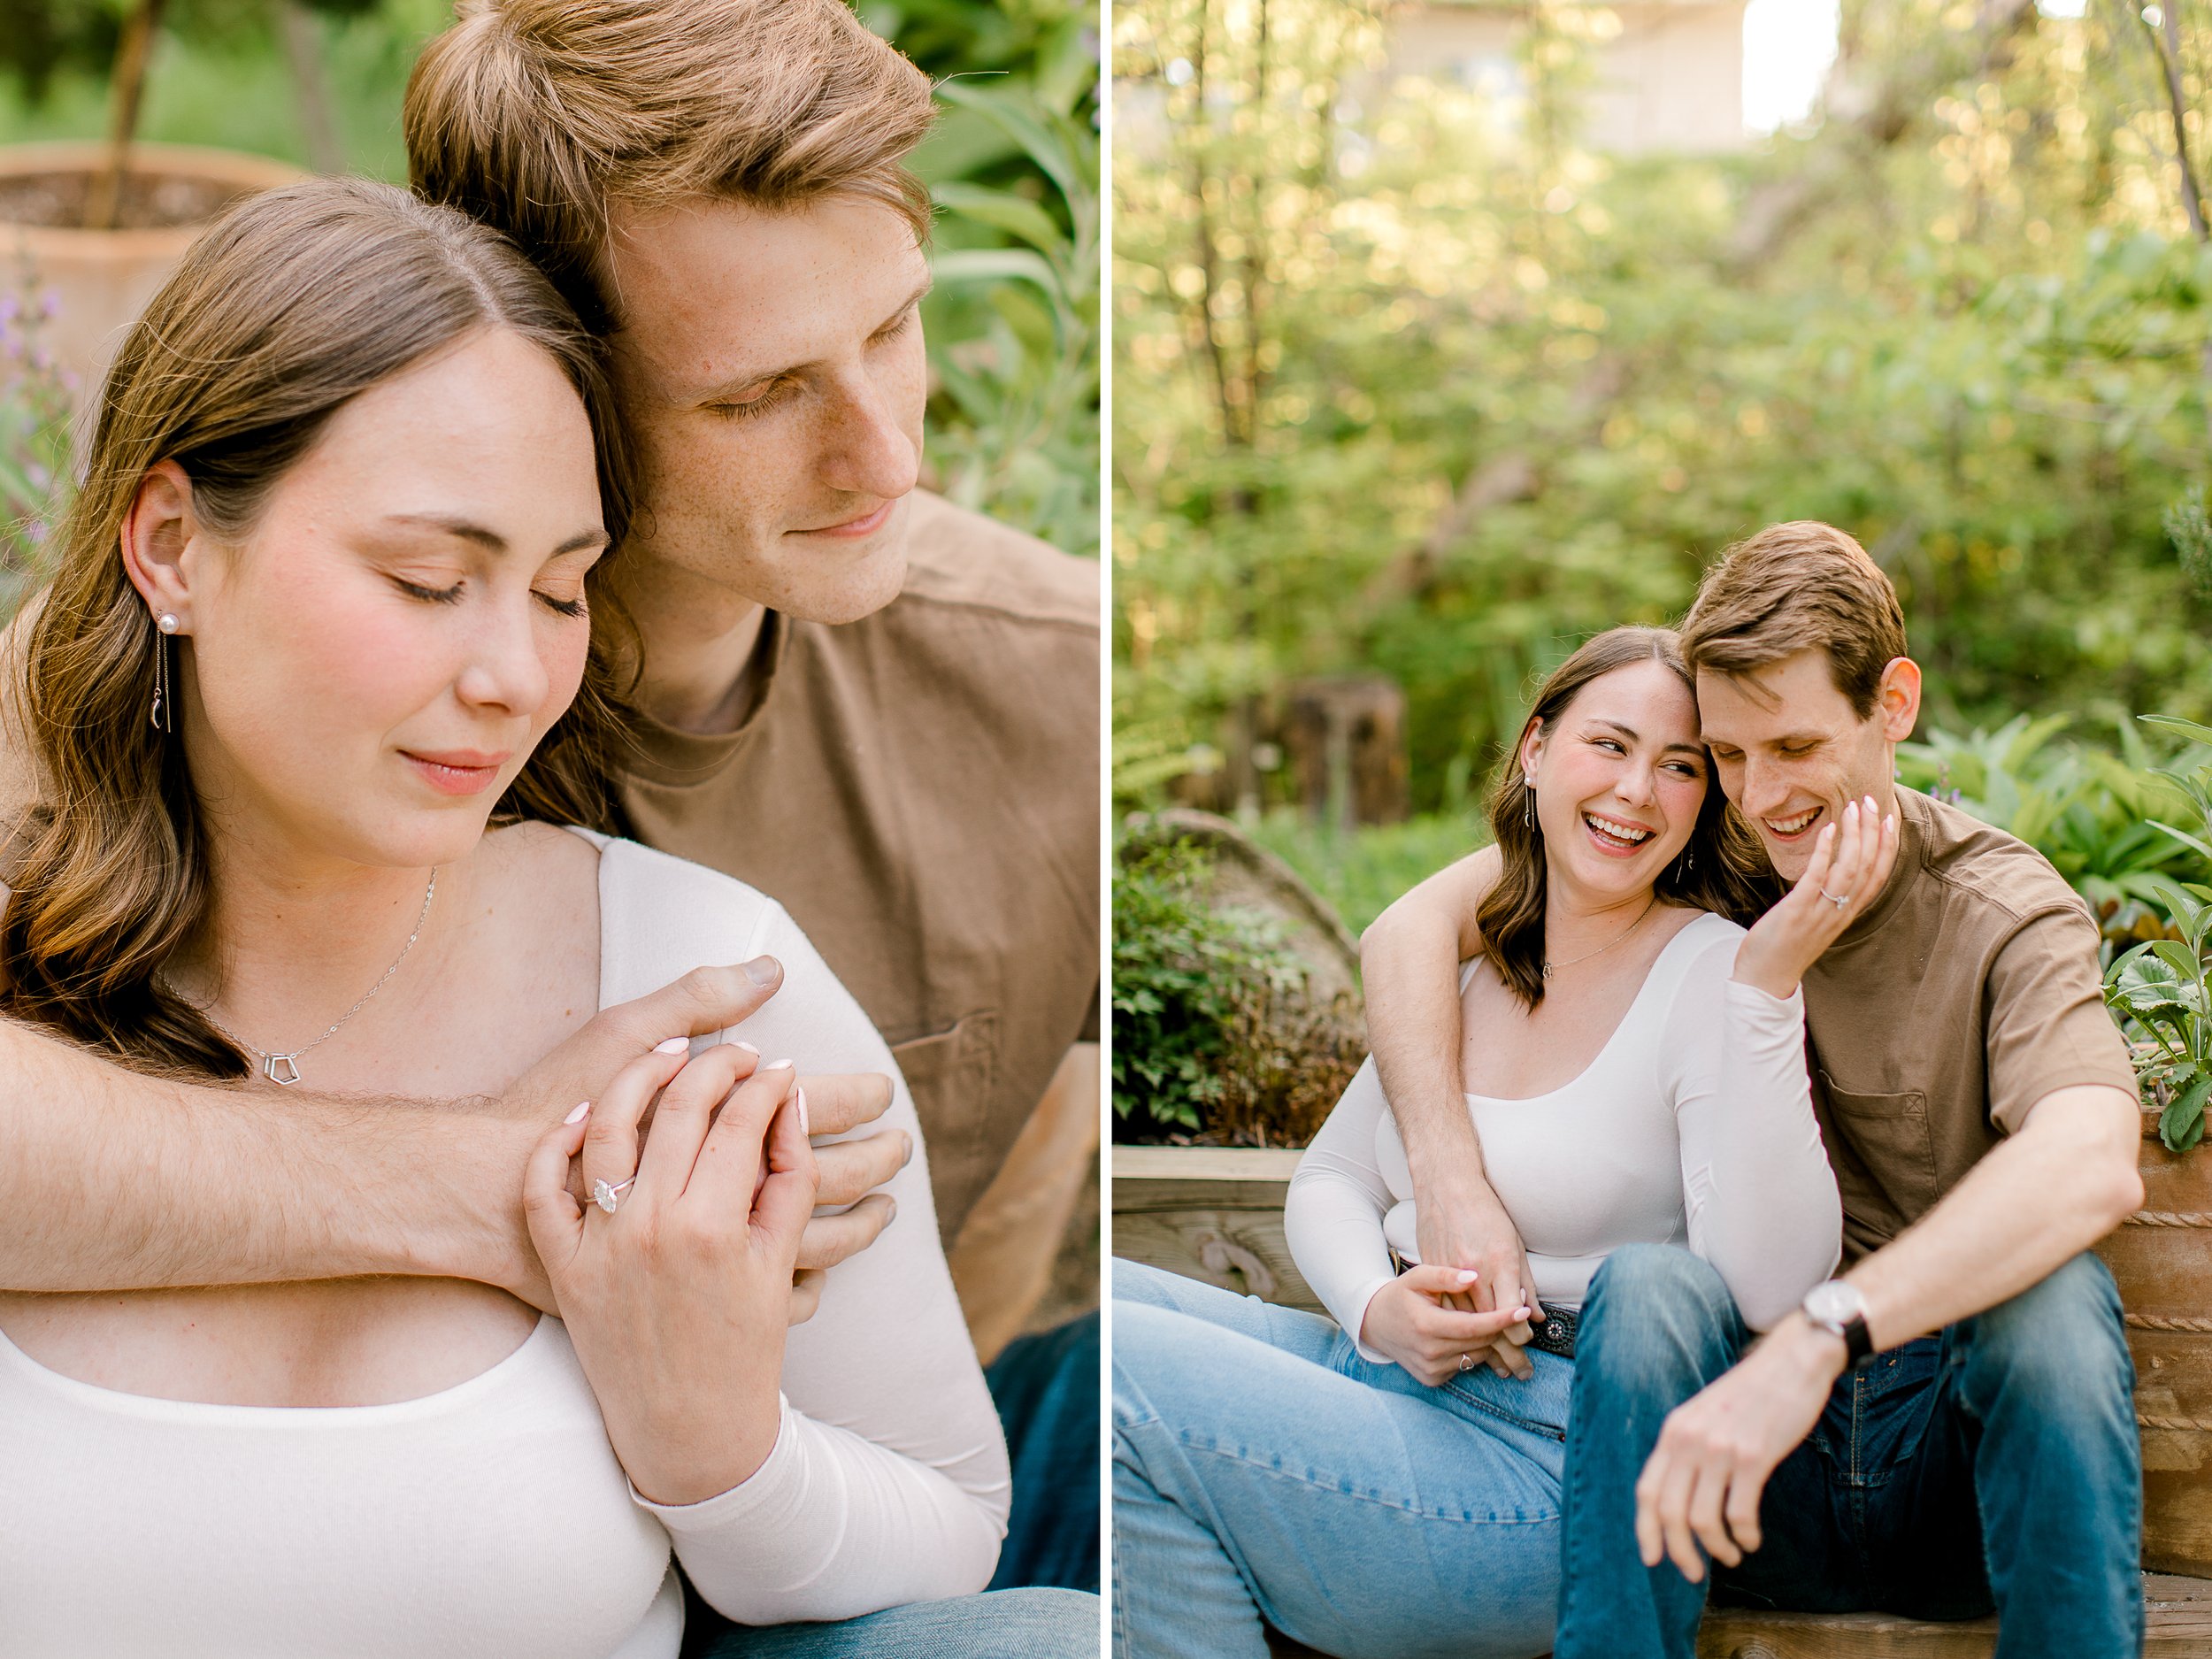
[
  {"x": 661, "y": 916},
  {"x": 1702, "y": 951}
]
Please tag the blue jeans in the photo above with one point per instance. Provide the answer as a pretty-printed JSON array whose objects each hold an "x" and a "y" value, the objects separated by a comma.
[
  {"x": 1263, "y": 1470},
  {"x": 1038, "y": 1624},
  {"x": 1046, "y": 1389},
  {"x": 1995, "y": 1463}
]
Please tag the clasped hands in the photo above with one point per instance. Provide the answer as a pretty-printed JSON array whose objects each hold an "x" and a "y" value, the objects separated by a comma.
[
  {"x": 848, "y": 1173},
  {"x": 1471, "y": 1297},
  {"x": 677, "y": 1297}
]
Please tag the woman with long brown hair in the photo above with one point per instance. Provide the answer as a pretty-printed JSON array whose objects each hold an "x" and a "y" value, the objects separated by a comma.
[
  {"x": 313, "y": 687},
  {"x": 1387, "y": 1482}
]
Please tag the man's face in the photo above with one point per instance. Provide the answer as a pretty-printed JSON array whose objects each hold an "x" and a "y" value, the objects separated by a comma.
[
  {"x": 771, "y": 371},
  {"x": 1790, "y": 750}
]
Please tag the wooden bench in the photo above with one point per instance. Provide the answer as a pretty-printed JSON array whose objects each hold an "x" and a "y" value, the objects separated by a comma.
[
  {"x": 2178, "y": 1621},
  {"x": 1215, "y": 1213}
]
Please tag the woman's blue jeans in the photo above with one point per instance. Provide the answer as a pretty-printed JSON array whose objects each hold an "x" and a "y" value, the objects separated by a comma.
[
  {"x": 1994, "y": 1464},
  {"x": 1262, "y": 1470}
]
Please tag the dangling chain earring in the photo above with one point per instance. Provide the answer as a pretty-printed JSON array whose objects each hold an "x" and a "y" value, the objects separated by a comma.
[
  {"x": 165, "y": 712},
  {"x": 1689, "y": 860},
  {"x": 1528, "y": 801}
]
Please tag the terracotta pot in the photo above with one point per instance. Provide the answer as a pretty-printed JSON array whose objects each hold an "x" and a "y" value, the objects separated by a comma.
[
  {"x": 2162, "y": 1256},
  {"x": 105, "y": 277}
]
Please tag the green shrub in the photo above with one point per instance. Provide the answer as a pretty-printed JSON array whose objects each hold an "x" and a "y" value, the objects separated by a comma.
[{"x": 1185, "y": 977}]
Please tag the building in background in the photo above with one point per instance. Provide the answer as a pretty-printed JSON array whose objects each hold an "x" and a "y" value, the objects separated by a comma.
[{"x": 1669, "y": 73}]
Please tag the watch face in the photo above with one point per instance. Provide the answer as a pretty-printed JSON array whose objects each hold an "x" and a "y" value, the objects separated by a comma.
[{"x": 1834, "y": 1303}]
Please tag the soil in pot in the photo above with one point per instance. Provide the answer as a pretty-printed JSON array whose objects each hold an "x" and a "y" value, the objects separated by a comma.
[{"x": 150, "y": 200}]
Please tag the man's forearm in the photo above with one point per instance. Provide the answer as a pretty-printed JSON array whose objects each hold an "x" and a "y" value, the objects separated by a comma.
[
  {"x": 2033, "y": 1203},
  {"x": 123, "y": 1182},
  {"x": 1409, "y": 961}
]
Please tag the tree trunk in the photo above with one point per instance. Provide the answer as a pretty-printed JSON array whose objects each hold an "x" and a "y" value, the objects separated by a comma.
[{"x": 104, "y": 204}]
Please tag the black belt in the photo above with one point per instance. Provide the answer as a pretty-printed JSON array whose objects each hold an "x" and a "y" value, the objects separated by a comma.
[{"x": 1554, "y": 1332}]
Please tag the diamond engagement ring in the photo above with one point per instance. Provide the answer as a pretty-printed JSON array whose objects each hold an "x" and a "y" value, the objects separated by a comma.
[
  {"x": 1833, "y": 899},
  {"x": 608, "y": 1197}
]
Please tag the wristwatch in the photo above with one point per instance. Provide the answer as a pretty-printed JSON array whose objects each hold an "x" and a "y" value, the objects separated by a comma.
[{"x": 1838, "y": 1306}]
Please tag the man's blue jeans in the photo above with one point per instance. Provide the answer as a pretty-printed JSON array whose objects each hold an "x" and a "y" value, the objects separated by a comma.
[
  {"x": 1262, "y": 1470},
  {"x": 1995, "y": 1463},
  {"x": 1046, "y": 1387}
]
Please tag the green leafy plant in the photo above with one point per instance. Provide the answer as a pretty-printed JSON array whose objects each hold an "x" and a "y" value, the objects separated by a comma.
[
  {"x": 2091, "y": 812},
  {"x": 1013, "y": 324},
  {"x": 2158, "y": 990},
  {"x": 1185, "y": 977}
]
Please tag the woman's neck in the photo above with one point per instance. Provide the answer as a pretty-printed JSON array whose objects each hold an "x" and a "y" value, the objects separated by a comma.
[
  {"x": 290, "y": 943},
  {"x": 1576, "y": 919}
]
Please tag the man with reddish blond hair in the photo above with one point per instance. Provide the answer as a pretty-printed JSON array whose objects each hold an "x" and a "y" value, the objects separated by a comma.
[
  {"x": 877, "y": 707},
  {"x": 1948, "y": 1426}
]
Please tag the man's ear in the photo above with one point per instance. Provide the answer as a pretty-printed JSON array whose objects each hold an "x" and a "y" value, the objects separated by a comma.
[
  {"x": 158, "y": 531},
  {"x": 1897, "y": 698}
]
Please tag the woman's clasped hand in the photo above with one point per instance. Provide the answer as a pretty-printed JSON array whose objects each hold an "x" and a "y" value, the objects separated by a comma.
[
  {"x": 678, "y": 1300},
  {"x": 1419, "y": 1320}
]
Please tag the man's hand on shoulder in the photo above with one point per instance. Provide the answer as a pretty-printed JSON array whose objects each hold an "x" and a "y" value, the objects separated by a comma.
[{"x": 849, "y": 1172}]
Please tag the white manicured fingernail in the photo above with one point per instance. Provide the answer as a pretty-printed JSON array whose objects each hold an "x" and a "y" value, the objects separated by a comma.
[
  {"x": 802, "y": 1099},
  {"x": 739, "y": 1042},
  {"x": 777, "y": 1065},
  {"x": 1468, "y": 1276},
  {"x": 578, "y": 1116},
  {"x": 675, "y": 1045}
]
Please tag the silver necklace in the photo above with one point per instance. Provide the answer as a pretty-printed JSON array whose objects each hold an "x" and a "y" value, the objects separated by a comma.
[
  {"x": 1549, "y": 966},
  {"x": 283, "y": 1069}
]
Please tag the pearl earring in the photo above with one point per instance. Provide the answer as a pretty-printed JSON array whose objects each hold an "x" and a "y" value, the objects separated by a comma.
[{"x": 164, "y": 712}]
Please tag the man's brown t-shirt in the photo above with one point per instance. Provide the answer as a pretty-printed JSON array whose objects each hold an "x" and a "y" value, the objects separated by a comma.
[
  {"x": 920, "y": 789},
  {"x": 1967, "y": 994}
]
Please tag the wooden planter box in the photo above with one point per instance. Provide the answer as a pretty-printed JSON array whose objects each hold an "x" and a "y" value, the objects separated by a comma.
[{"x": 2162, "y": 1256}]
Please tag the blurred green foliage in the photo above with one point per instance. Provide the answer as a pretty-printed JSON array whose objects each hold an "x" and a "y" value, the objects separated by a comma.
[
  {"x": 1013, "y": 416},
  {"x": 1408, "y": 381},
  {"x": 1361, "y": 872}
]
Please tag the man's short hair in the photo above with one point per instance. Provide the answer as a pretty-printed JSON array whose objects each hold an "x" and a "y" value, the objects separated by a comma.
[
  {"x": 533, "y": 115},
  {"x": 1798, "y": 586}
]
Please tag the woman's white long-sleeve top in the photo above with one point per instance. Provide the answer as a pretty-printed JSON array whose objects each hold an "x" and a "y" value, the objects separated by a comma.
[
  {"x": 1693, "y": 1126},
  {"x": 492, "y": 1518}
]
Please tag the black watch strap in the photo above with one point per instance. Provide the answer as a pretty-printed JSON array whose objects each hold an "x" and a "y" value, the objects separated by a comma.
[{"x": 1858, "y": 1346}]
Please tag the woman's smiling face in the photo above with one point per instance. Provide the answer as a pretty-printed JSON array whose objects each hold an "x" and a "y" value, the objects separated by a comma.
[
  {"x": 364, "y": 672},
  {"x": 1620, "y": 778}
]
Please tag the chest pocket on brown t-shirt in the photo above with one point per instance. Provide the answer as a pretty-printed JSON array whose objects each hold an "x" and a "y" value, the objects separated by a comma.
[
  {"x": 1887, "y": 1177},
  {"x": 953, "y": 1075}
]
